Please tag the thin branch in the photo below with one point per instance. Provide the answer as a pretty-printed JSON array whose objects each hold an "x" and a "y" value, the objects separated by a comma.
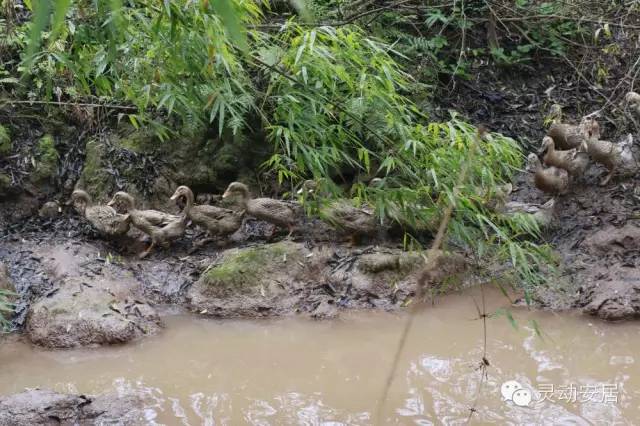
[{"x": 80, "y": 104}]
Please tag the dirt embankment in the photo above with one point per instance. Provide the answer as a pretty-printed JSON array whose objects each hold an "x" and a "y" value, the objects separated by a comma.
[{"x": 78, "y": 290}]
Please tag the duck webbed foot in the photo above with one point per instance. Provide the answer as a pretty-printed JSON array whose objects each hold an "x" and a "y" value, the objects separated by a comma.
[
  {"x": 607, "y": 179},
  {"x": 147, "y": 251}
]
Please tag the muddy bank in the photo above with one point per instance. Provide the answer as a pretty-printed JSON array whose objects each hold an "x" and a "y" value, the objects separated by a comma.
[
  {"x": 289, "y": 277},
  {"x": 45, "y": 407},
  {"x": 75, "y": 289},
  {"x": 596, "y": 233}
]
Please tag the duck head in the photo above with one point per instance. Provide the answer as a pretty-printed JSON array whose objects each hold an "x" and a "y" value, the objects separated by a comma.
[
  {"x": 123, "y": 201},
  {"x": 235, "y": 189}
]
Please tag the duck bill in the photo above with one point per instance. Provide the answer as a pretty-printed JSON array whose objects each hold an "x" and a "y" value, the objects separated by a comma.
[
  {"x": 174, "y": 197},
  {"x": 226, "y": 194},
  {"x": 111, "y": 203}
]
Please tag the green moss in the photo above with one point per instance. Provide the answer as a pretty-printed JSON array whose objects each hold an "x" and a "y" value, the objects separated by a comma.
[
  {"x": 5, "y": 141},
  {"x": 46, "y": 159},
  {"x": 244, "y": 267},
  {"x": 5, "y": 183},
  {"x": 93, "y": 177},
  {"x": 140, "y": 141}
]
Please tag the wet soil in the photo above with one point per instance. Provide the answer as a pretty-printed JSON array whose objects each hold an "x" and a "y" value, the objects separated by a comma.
[{"x": 76, "y": 289}]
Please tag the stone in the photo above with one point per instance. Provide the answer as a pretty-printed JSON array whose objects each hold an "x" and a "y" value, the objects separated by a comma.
[
  {"x": 46, "y": 407},
  {"x": 79, "y": 314},
  {"x": 251, "y": 281},
  {"x": 5, "y": 142}
]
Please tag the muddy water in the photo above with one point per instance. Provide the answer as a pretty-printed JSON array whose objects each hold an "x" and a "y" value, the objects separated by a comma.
[{"x": 297, "y": 371}]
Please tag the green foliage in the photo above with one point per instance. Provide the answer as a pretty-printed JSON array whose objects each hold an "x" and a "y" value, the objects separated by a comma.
[
  {"x": 5, "y": 141},
  {"x": 332, "y": 101},
  {"x": 452, "y": 37}
]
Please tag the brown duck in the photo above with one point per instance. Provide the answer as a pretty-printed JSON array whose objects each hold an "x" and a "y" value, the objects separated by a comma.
[
  {"x": 217, "y": 221},
  {"x": 543, "y": 214},
  {"x": 280, "y": 213},
  {"x": 633, "y": 100},
  {"x": 574, "y": 161},
  {"x": 551, "y": 179},
  {"x": 564, "y": 135},
  {"x": 614, "y": 156},
  {"x": 104, "y": 219},
  {"x": 344, "y": 216},
  {"x": 161, "y": 227}
]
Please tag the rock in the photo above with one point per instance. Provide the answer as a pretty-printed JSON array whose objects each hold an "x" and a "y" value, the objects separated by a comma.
[
  {"x": 614, "y": 239},
  {"x": 49, "y": 209},
  {"x": 45, "y": 407},
  {"x": 287, "y": 277},
  {"x": 7, "y": 287},
  {"x": 46, "y": 160},
  {"x": 5, "y": 142},
  {"x": 5, "y": 185},
  {"x": 79, "y": 314},
  {"x": 252, "y": 281},
  {"x": 378, "y": 262},
  {"x": 138, "y": 162},
  {"x": 615, "y": 297},
  {"x": 150, "y": 189}
]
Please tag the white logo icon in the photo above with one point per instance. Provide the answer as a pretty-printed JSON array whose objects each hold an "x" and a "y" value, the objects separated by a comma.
[
  {"x": 522, "y": 397},
  {"x": 508, "y": 388},
  {"x": 514, "y": 391}
]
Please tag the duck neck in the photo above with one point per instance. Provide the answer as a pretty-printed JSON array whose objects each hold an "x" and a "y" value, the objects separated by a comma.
[
  {"x": 551, "y": 148},
  {"x": 189, "y": 203},
  {"x": 129, "y": 205},
  {"x": 244, "y": 197}
]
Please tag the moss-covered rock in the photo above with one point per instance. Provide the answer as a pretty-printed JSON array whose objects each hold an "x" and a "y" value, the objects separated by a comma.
[
  {"x": 47, "y": 159},
  {"x": 5, "y": 141},
  {"x": 246, "y": 267},
  {"x": 79, "y": 315},
  {"x": 252, "y": 281},
  {"x": 94, "y": 178},
  {"x": 5, "y": 184},
  {"x": 7, "y": 288}
]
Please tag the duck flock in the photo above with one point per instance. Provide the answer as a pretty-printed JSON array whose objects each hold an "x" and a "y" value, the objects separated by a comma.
[
  {"x": 566, "y": 152},
  {"x": 116, "y": 217}
]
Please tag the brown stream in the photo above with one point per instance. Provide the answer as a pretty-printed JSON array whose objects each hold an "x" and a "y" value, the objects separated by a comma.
[{"x": 297, "y": 371}]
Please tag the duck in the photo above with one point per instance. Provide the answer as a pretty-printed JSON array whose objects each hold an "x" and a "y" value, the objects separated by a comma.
[
  {"x": 574, "y": 160},
  {"x": 565, "y": 136},
  {"x": 127, "y": 203},
  {"x": 542, "y": 215},
  {"x": 277, "y": 212},
  {"x": 633, "y": 100},
  {"x": 104, "y": 219},
  {"x": 49, "y": 210},
  {"x": 495, "y": 198},
  {"x": 614, "y": 156},
  {"x": 344, "y": 216},
  {"x": 217, "y": 221},
  {"x": 552, "y": 180},
  {"x": 161, "y": 227},
  {"x": 356, "y": 221}
]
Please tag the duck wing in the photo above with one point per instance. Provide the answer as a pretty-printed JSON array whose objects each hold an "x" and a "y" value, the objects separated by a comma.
[
  {"x": 270, "y": 210},
  {"x": 157, "y": 218}
]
